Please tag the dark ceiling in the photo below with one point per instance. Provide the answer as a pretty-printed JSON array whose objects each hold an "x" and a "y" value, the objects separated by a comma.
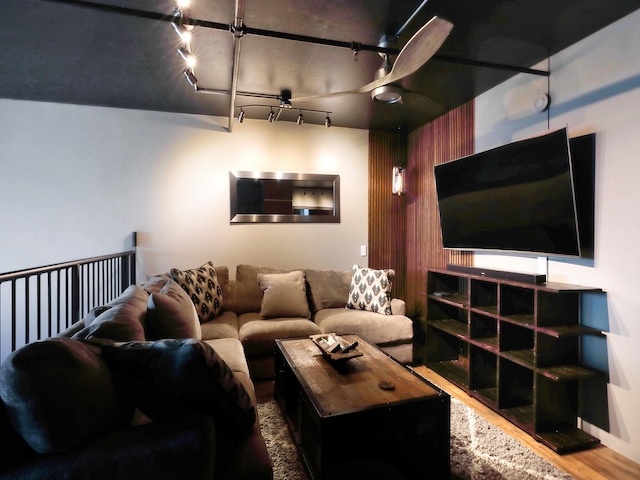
[{"x": 112, "y": 54}]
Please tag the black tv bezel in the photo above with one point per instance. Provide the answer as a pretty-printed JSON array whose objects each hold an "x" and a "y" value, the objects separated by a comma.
[{"x": 581, "y": 159}]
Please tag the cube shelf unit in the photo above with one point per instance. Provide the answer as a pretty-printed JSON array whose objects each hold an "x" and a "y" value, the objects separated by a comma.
[{"x": 515, "y": 347}]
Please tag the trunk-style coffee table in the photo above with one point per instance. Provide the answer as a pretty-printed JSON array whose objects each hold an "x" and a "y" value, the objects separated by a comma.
[{"x": 366, "y": 414}]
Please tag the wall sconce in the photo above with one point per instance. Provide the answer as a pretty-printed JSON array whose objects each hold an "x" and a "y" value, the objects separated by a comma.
[{"x": 398, "y": 181}]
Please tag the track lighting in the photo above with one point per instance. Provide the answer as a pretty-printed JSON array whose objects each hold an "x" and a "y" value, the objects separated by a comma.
[
  {"x": 187, "y": 56},
  {"x": 191, "y": 78},
  {"x": 273, "y": 115}
]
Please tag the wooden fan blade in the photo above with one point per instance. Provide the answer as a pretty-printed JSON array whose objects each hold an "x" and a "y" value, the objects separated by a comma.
[{"x": 418, "y": 50}]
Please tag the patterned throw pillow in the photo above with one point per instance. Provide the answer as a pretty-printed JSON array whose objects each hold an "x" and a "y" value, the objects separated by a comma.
[
  {"x": 370, "y": 290},
  {"x": 202, "y": 286}
]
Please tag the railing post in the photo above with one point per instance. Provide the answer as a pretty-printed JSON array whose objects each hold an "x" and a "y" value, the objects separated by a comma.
[{"x": 75, "y": 294}]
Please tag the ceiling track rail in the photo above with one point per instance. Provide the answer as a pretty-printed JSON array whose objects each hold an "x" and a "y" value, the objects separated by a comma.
[{"x": 239, "y": 30}]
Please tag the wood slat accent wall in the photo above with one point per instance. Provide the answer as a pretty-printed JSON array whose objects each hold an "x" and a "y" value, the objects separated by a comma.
[
  {"x": 404, "y": 231},
  {"x": 446, "y": 138},
  {"x": 387, "y": 212}
]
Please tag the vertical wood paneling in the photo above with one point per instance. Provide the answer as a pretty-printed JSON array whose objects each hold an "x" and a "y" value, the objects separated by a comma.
[
  {"x": 446, "y": 138},
  {"x": 404, "y": 232},
  {"x": 387, "y": 213}
]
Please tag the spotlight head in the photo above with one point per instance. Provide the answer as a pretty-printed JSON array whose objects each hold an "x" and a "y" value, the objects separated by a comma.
[
  {"x": 327, "y": 121},
  {"x": 191, "y": 78},
  {"x": 271, "y": 117},
  {"x": 187, "y": 56},
  {"x": 300, "y": 119},
  {"x": 241, "y": 116}
]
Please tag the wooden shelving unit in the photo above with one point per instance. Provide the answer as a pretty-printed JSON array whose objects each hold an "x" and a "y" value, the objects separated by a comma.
[{"x": 513, "y": 346}]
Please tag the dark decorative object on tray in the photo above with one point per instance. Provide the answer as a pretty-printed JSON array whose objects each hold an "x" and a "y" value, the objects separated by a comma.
[{"x": 335, "y": 348}]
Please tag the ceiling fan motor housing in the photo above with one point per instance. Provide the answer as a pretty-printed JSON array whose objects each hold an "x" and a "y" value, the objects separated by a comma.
[{"x": 386, "y": 93}]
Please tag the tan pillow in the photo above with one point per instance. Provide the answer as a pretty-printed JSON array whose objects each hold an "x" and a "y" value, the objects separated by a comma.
[
  {"x": 284, "y": 295},
  {"x": 172, "y": 314},
  {"x": 247, "y": 294},
  {"x": 328, "y": 288}
]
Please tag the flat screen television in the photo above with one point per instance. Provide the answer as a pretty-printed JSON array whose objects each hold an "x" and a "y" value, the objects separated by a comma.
[{"x": 520, "y": 197}]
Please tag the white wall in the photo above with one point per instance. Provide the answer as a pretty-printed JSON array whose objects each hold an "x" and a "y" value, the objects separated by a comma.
[
  {"x": 595, "y": 88},
  {"x": 75, "y": 181}
]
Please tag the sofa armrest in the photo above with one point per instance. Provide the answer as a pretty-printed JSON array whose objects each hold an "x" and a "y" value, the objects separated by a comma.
[{"x": 398, "y": 307}]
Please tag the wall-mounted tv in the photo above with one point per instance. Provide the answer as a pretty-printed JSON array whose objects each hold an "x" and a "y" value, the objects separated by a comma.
[{"x": 526, "y": 196}]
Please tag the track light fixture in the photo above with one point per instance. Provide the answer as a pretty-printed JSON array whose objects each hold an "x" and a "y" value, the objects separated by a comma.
[
  {"x": 274, "y": 116},
  {"x": 191, "y": 78},
  {"x": 187, "y": 56}
]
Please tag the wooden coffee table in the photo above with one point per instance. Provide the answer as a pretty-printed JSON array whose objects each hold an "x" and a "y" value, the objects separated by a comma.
[{"x": 343, "y": 418}]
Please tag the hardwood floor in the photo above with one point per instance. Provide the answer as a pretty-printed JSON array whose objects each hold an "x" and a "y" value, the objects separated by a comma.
[{"x": 600, "y": 463}]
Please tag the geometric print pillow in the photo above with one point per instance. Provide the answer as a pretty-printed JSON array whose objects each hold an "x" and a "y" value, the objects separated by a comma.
[
  {"x": 203, "y": 287},
  {"x": 370, "y": 290}
]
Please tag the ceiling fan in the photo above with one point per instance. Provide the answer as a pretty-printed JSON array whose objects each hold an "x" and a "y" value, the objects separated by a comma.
[{"x": 418, "y": 50}]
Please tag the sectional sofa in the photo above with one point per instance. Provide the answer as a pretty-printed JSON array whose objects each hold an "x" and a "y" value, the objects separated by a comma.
[{"x": 159, "y": 383}]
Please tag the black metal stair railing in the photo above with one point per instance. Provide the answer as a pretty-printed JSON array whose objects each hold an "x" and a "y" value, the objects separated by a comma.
[{"x": 41, "y": 302}]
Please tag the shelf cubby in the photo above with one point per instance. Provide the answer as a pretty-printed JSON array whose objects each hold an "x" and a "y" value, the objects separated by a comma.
[
  {"x": 484, "y": 296},
  {"x": 514, "y": 346},
  {"x": 517, "y": 304},
  {"x": 483, "y": 367},
  {"x": 484, "y": 331}
]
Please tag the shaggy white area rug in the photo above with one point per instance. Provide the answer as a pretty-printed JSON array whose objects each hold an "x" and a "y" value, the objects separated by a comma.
[{"x": 479, "y": 449}]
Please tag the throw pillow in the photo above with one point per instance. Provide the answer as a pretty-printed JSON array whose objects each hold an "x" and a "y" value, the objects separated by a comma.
[
  {"x": 58, "y": 392},
  {"x": 284, "y": 295},
  {"x": 172, "y": 314},
  {"x": 169, "y": 378},
  {"x": 370, "y": 290},
  {"x": 328, "y": 288},
  {"x": 202, "y": 286}
]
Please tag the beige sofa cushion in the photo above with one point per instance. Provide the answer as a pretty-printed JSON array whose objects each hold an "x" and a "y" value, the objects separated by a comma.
[
  {"x": 328, "y": 288},
  {"x": 258, "y": 336},
  {"x": 224, "y": 325},
  {"x": 284, "y": 295},
  {"x": 373, "y": 327},
  {"x": 247, "y": 293}
]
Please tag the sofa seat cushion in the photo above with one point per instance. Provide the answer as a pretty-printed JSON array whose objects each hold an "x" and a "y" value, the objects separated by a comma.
[
  {"x": 59, "y": 393},
  {"x": 224, "y": 325},
  {"x": 231, "y": 351},
  {"x": 372, "y": 327},
  {"x": 258, "y": 336},
  {"x": 170, "y": 378}
]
